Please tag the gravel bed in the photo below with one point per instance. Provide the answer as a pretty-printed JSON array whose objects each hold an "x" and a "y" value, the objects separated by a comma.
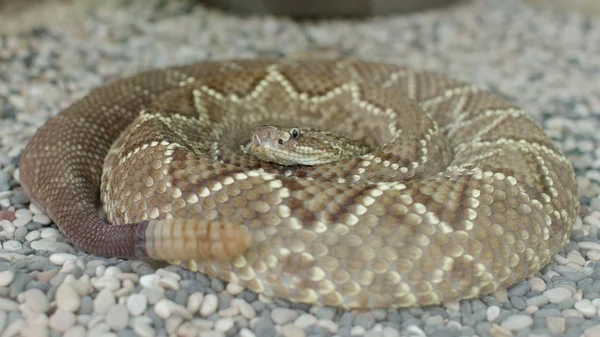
[{"x": 545, "y": 61}]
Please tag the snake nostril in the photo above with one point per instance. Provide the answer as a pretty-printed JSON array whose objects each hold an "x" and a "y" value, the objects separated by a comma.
[{"x": 280, "y": 141}]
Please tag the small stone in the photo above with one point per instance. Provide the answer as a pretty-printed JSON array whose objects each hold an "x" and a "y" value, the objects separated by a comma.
[
  {"x": 36, "y": 300},
  {"x": 104, "y": 301},
  {"x": 586, "y": 308},
  {"x": 291, "y": 330},
  {"x": 12, "y": 245},
  {"x": 164, "y": 308},
  {"x": 517, "y": 322},
  {"x": 75, "y": 331},
  {"x": 234, "y": 288},
  {"x": 224, "y": 324},
  {"x": 282, "y": 316},
  {"x": 42, "y": 218},
  {"x": 59, "y": 259},
  {"x": 209, "y": 305},
  {"x": 62, "y": 320},
  {"x": 537, "y": 284},
  {"x": 556, "y": 325},
  {"x": 136, "y": 304},
  {"x": 67, "y": 298},
  {"x": 247, "y": 310},
  {"x": 117, "y": 317},
  {"x": 557, "y": 295},
  {"x": 492, "y": 313},
  {"x": 6, "y": 277},
  {"x": 8, "y": 305},
  {"x": 388, "y": 331},
  {"x": 305, "y": 320},
  {"x": 149, "y": 280},
  {"x": 593, "y": 331}
]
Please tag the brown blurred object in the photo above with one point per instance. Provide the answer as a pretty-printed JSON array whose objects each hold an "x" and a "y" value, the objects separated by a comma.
[{"x": 325, "y": 8}]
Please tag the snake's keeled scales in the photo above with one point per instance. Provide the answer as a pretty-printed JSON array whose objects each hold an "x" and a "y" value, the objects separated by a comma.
[{"x": 463, "y": 194}]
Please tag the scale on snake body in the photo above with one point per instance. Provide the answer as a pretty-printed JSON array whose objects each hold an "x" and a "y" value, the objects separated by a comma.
[{"x": 440, "y": 191}]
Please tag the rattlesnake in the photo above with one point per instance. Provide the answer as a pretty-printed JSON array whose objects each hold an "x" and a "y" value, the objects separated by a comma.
[{"x": 460, "y": 194}]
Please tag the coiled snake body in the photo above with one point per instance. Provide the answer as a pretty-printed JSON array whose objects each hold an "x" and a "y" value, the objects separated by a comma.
[{"x": 459, "y": 194}]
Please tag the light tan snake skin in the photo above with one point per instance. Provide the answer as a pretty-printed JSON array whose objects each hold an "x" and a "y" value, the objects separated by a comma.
[{"x": 463, "y": 194}]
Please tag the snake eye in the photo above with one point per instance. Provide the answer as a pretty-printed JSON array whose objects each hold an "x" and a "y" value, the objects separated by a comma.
[{"x": 295, "y": 133}]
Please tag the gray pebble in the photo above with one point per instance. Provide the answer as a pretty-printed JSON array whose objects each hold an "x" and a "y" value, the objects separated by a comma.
[
  {"x": 32, "y": 226},
  {"x": 18, "y": 198},
  {"x": 224, "y": 301},
  {"x": 366, "y": 321},
  {"x": 347, "y": 318},
  {"x": 265, "y": 327},
  {"x": 20, "y": 233},
  {"x": 18, "y": 284},
  {"x": 545, "y": 312},
  {"x": 157, "y": 321},
  {"x": 248, "y": 296},
  {"x": 3, "y": 319},
  {"x": 258, "y": 306},
  {"x": 317, "y": 331},
  {"x": 325, "y": 313},
  {"x": 181, "y": 298},
  {"x": 567, "y": 304},
  {"x": 193, "y": 286},
  {"x": 43, "y": 286},
  {"x": 518, "y": 303},
  {"x": 217, "y": 285},
  {"x": 345, "y": 331},
  {"x": 87, "y": 305}
]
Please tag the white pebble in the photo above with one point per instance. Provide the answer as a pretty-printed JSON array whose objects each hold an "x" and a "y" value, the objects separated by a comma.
[
  {"x": 35, "y": 300},
  {"x": 50, "y": 233},
  {"x": 67, "y": 298},
  {"x": 60, "y": 258},
  {"x": 210, "y": 305},
  {"x": 537, "y": 284},
  {"x": 149, "y": 280},
  {"x": 169, "y": 283},
  {"x": 586, "y": 308},
  {"x": 117, "y": 317},
  {"x": 224, "y": 324},
  {"x": 234, "y": 288},
  {"x": 246, "y": 309},
  {"x": 12, "y": 245},
  {"x": 75, "y": 331},
  {"x": 168, "y": 274},
  {"x": 104, "y": 301},
  {"x": 51, "y": 246},
  {"x": 6, "y": 277},
  {"x": 20, "y": 222},
  {"x": 33, "y": 235},
  {"x": 144, "y": 330},
  {"x": 557, "y": 295},
  {"x": 329, "y": 325},
  {"x": 282, "y": 316},
  {"x": 164, "y": 308},
  {"x": 247, "y": 333},
  {"x": 194, "y": 302},
  {"x": 492, "y": 313},
  {"x": 42, "y": 218},
  {"x": 62, "y": 320},
  {"x": 517, "y": 322},
  {"x": 305, "y": 320},
  {"x": 589, "y": 245},
  {"x": 556, "y": 325},
  {"x": 291, "y": 330},
  {"x": 136, "y": 304}
]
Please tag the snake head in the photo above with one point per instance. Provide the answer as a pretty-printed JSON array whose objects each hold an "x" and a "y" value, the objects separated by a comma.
[{"x": 292, "y": 145}]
